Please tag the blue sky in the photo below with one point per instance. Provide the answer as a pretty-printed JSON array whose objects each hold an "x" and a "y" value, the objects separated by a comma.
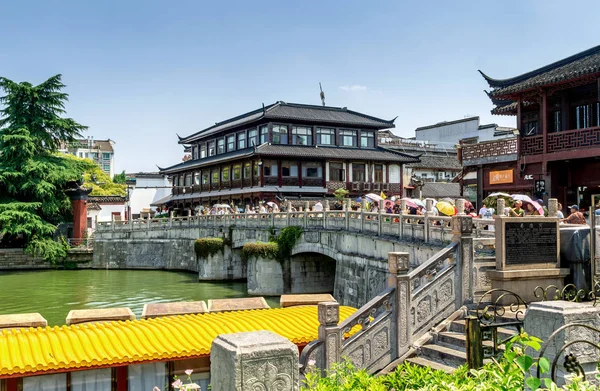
[{"x": 140, "y": 72}]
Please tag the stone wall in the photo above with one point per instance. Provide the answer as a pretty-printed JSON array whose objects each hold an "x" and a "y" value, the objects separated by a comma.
[
  {"x": 226, "y": 265},
  {"x": 265, "y": 277},
  {"x": 15, "y": 259}
]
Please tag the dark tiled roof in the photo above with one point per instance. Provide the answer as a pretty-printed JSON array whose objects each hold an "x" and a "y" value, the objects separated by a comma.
[
  {"x": 445, "y": 123},
  {"x": 441, "y": 190},
  {"x": 437, "y": 161},
  {"x": 510, "y": 108},
  {"x": 93, "y": 206},
  {"x": 380, "y": 154},
  {"x": 281, "y": 111},
  {"x": 207, "y": 161},
  {"x": 578, "y": 65},
  {"x": 106, "y": 199}
]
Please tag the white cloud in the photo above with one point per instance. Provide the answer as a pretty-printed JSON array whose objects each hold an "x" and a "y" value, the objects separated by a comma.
[{"x": 354, "y": 87}]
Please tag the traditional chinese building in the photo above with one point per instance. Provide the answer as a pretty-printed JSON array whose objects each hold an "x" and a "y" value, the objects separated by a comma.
[
  {"x": 557, "y": 149},
  {"x": 286, "y": 150}
]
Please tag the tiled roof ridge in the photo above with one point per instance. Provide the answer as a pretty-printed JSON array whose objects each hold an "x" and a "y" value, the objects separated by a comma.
[
  {"x": 444, "y": 123},
  {"x": 334, "y": 108},
  {"x": 501, "y": 83}
]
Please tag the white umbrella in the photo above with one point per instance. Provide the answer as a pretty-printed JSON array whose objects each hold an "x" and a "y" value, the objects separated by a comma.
[
  {"x": 418, "y": 202},
  {"x": 271, "y": 204},
  {"x": 521, "y": 197},
  {"x": 373, "y": 197},
  {"x": 221, "y": 206},
  {"x": 499, "y": 195}
]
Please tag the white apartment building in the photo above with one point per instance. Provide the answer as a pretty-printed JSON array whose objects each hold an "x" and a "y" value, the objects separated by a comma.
[{"x": 100, "y": 151}]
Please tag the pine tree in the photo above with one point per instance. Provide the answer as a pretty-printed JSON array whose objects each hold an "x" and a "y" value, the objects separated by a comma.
[{"x": 33, "y": 176}]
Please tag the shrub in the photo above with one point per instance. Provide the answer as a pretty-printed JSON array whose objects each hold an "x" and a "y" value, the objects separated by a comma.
[
  {"x": 260, "y": 250},
  {"x": 286, "y": 240},
  {"x": 206, "y": 247}
]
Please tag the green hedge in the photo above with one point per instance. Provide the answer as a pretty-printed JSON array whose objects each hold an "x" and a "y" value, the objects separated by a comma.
[
  {"x": 260, "y": 250},
  {"x": 206, "y": 247}
]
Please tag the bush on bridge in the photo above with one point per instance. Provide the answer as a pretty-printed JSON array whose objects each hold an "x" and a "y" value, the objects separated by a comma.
[
  {"x": 206, "y": 247},
  {"x": 268, "y": 250}
]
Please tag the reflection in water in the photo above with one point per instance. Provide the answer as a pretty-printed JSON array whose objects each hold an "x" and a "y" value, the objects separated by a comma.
[{"x": 53, "y": 293}]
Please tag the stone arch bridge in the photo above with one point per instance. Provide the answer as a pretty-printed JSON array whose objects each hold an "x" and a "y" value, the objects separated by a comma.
[{"x": 343, "y": 252}]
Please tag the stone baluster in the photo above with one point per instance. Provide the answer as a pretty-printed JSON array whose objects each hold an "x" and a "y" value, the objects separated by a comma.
[
  {"x": 462, "y": 232},
  {"x": 364, "y": 205},
  {"x": 348, "y": 204},
  {"x": 427, "y": 224},
  {"x": 380, "y": 218},
  {"x": 460, "y": 206},
  {"x": 330, "y": 333},
  {"x": 500, "y": 205},
  {"x": 258, "y": 360},
  {"x": 326, "y": 206},
  {"x": 552, "y": 207},
  {"x": 402, "y": 211},
  {"x": 306, "y": 206},
  {"x": 398, "y": 267}
]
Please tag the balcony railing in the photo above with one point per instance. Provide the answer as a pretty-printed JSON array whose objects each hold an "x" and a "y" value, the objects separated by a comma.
[
  {"x": 572, "y": 139},
  {"x": 476, "y": 153}
]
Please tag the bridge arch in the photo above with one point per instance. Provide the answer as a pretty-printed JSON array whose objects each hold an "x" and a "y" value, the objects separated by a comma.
[
  {"x": 313, "y": 268},
  {"x": 316, "y": 248}
]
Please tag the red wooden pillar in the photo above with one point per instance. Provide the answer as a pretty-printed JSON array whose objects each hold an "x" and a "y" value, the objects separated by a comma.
[
  {"x": 79, "y": 198},
  {"x": 121, "y": 378},
  {"x": 279, "y": 176},
  {"x": 300, "y": 173},
  {"x": 324, "y": 174},
  {"x": 12, "y": 384},
  {"x": 544, "y": 120},
  {"x": 401, "y": 180}
]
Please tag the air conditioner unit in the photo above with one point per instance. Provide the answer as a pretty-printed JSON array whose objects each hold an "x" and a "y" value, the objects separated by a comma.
[
  {"x": 366, "y": 186},
  {"x": 355, "y": 186},
  {"x": 386, "y": 186},
  {"x": 376, "y": 186}
]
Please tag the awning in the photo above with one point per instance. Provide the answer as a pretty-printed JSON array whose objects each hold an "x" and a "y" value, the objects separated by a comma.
[
  {"x": 162, "y": 201},
  {"x": 470, "y": 175}
]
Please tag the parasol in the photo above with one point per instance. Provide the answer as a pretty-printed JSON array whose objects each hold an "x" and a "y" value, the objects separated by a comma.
[
  {"x": 445, "y": 208},
  {"x": 373, "y": 197},
  {"x": 418, "y": 202},
  {"x": 221, "y": 206},
  {"x": 410, "y": 203}
]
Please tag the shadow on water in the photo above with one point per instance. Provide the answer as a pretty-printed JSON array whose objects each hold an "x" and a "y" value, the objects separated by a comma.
[{"x": 53, "y": 293}]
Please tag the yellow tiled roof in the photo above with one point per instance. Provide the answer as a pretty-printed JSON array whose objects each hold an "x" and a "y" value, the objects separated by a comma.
[{"x": 60, "y": 348}]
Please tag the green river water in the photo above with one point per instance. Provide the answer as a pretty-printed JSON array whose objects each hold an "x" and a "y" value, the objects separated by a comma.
[{"x": 53, "y": 293}]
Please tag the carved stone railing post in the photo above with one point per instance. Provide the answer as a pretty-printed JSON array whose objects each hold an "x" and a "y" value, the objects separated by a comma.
[
  {"x": 500, "y": 205},
  {"x": 552, "y": 207},
  {"x": 460, "y": 206},
  {"x": 427, "y": 223},
  {"x": 462, "y": 232},
  {"x": 330, "y": 333},
  {"x": 259, "y": 360},
  {"x": 380, "y": 220},
  {"x": 402, "y": 209},
  {"x": 327, "y": 207},
  {"x": 398, "y": 265},
  {"x": 348, "y": 203},
  {"x": 363, "y": 206},
  {"x": 306, "y": 206}
]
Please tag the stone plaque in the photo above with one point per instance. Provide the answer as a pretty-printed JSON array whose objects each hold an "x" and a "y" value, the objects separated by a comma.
[
  {"x": 527, "y": 242},
  {"x": 532, "y": 242}
]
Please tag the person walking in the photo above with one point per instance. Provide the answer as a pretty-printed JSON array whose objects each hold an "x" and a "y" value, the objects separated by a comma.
[{"x": 576, "y": 217}]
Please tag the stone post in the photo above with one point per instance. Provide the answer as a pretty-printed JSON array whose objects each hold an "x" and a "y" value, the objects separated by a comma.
[
  {"x": 380, "y": 219},
  {"x": 348, "y": 204},
  {"x": 460, "y": 206},
  {"x": 427, "y": 224},
  {"x": 306, "y": 206},
  {"x": 327, "y": 208},
  {"x": 330, "y": 333},
  {"x": 462, "y": 232},
  {"x": 259, "y": 360},
  {"x": 552, "y": 207},
  {"x": 544, "y": 318},
  {"x": 364, "y": 205},
  {"x": 398, "y": 266},
  {"x": 402, "y": 211},
  {"x": 500, "y": 205}
]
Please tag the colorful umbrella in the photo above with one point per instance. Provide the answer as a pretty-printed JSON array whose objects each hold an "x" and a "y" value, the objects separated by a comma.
[
  {"x": 445, "y": 208},
  {"x": 504, "y": 195},
  {"x": 409, "y": 203},
  {"x": 521, "y": 197},
  {"x": 418, "y": 202},
  {"x": 373, "y": 197}
]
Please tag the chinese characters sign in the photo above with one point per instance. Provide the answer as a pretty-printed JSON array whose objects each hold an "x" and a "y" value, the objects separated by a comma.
[{"x": 499, "y": 177}]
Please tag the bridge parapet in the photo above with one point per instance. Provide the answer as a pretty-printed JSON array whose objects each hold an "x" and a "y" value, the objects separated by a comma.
[{"x": 427, "y": 228}]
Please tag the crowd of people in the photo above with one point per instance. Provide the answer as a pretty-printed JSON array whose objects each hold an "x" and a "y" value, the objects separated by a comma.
[{"x": 395, "y": 205}]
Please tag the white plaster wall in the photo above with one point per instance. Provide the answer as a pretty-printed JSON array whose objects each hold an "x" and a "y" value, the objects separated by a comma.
[
  {"x": 142, "y": 198},
  {"x": 394, "y": 173},
  {"x": 450, "y": 133},
  {"x": 106, "y": 213}
]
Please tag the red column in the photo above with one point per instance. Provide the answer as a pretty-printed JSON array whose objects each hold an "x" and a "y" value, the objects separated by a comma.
[{"x": 79, "y": 197}]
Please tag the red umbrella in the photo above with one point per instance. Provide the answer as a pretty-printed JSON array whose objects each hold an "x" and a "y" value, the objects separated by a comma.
[{"x": 410, "y": 203}]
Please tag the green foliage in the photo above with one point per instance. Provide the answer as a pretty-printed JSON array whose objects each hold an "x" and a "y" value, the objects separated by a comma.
[
  {"x": 267, "y": 250},
  {"x": 286, "y": 240},
  {"x": 512, "y": 372},
  {"x": 206, "y": 247},
  {"x": 340, "y": 194},
  {"x": 32, "y": 176},
  {"x": 120, "y": 178},
  {"x": 96, "y": 179}
]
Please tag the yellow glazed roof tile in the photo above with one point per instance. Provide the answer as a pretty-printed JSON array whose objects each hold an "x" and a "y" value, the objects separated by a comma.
[{"x": 63, "y": 348}]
